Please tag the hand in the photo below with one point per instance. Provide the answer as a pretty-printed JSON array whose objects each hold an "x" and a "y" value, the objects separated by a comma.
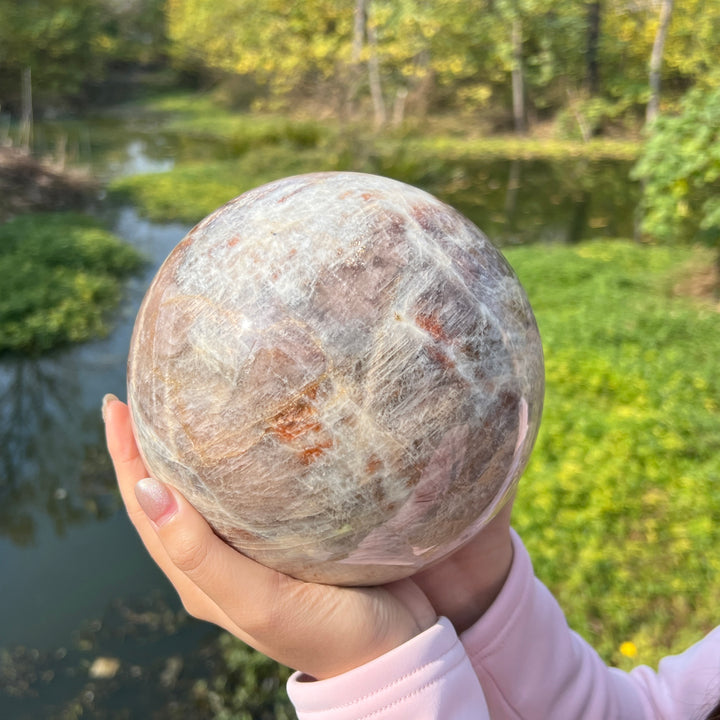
[
  {"x": 463, "y": 585},
  {"x": 321, "y": 630}
]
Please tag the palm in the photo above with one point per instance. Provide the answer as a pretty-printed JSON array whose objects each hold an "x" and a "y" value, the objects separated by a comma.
[{"x": 320, "y": 629}]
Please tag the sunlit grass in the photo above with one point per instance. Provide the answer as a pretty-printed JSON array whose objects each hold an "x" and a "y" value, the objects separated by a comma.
[
  {"x": 258, "y": 147},
  {"x": 60, "y": 275},
  {"x": 526, "y": 148},
  {"x": 620, "y": 505}
]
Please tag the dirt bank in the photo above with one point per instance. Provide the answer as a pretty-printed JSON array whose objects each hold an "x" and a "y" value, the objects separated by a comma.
[{"x": 30, "y": 185}]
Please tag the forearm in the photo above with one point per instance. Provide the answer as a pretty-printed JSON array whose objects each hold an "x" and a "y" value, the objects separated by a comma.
[{"x": 532, "y": 666}]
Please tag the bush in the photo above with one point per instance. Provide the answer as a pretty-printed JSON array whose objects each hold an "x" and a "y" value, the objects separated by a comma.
[
  {"x": 60, "y": 274},
  {"x": 680, "y": 170},
  {"x": 250, "y": 687}
]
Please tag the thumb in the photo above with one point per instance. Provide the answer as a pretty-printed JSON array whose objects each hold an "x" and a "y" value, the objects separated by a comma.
[{"x": 245, "y": 590}]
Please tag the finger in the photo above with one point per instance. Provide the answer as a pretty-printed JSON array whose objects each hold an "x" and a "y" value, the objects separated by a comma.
[
  {"x": 320, "y": 629},
  {"x": 123, "y": 450},
  {"x": 128, "y": 464},
  {"x": 246, "y": 591},
  {"x": 130, "y": 469}
]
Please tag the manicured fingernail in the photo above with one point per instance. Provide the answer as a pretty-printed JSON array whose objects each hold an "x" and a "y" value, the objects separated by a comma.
[
  {"x": 106, "y": 401},
  {"x": 156, "y": 500}
]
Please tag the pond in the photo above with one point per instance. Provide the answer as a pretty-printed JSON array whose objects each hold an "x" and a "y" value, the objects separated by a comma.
[{"x": 76, "y": 583}]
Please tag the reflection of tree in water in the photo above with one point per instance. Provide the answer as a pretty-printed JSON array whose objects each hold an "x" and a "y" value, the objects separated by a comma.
[
  {"x": 522, "y": 201},
  {"x": 52, "y": 465}
]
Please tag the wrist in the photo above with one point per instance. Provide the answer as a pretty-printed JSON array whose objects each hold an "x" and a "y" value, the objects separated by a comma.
[
  {"x": 472, "y": 580},
  {"x": 464, "y": 586}
]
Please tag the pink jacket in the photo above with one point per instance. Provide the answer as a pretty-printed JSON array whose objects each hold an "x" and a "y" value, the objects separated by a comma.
[{"x": 520, "y": 661}]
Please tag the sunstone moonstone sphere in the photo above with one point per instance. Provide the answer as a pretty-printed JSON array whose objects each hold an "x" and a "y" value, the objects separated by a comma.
[{"x": 340, "y": 373}]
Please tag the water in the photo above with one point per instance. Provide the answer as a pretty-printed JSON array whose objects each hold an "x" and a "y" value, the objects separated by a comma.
[
  {"x": 68, "y": 555},
  {"x": 60, "y": 509},
  {"x": 75, "y": 581},
  {"x": 521, "y": 201}
]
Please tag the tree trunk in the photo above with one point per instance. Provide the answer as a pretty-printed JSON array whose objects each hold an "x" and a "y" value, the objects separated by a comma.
[
  {"x": 398, "y": 114},
  {"x": 422, "y": 88},
  {"x": 656, "y": 60},
  {"x": 374, "y": 79},
  {"x": 358, "y": 30},
  {"x": 518, "y": 90},
  {"x": 26, "y": 112},
  {"x": 355, "y": 74},
  {"x": 591, "y": 53}
]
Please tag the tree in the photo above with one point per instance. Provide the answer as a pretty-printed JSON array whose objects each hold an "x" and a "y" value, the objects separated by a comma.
[
  {"x": 56, "y": 39},
  {"x": 656, "y": 60},
  {"x": 690, "y": 53},
  {"x": 518, "y": 85},
  {"x": 281, "y": 45},
  {"x": 594, "y": 13},
  {"x": 134, "y": 30},
  {"x": 526, "y": 58},
  {"x": 680, "y": 171}
]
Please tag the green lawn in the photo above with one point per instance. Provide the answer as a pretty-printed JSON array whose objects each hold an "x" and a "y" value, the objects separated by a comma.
[{"x": 620, "y": 505}]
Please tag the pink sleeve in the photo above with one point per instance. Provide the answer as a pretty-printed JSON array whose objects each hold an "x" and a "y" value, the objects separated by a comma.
[
  {"x": 686, "y": 685},
  {"x": 428, "y": 677},
  {"x": 532, "y": 666}
]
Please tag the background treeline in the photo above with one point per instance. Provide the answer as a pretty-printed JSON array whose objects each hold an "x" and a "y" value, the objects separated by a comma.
[
  {"x": 502, "y": 63},
  {"x": 69, "y": 48}
]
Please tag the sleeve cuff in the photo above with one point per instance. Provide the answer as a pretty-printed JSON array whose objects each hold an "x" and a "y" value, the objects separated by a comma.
[
  {"x": 427, "y": 677},
  {"x": 524, "y": 634}
]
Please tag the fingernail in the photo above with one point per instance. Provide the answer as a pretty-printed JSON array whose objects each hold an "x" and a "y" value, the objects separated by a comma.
[
  {"x": 105, "y": 402},
  {"x": 156, "y": 500}
]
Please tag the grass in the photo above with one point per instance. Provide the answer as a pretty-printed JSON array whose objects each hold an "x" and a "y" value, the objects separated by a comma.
[
  {"x": 522, "y": 148},
  {"x": 192, "y": 190},
  {"x": 61, "y": 276},
  {"x": 620, "y": 506}
]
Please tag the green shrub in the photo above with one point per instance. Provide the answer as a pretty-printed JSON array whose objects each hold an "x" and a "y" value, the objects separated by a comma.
[
  {"x": 680, "y": 170},
  {"x": 60, "y": 274},
  {"x": 250, "y": 687}
]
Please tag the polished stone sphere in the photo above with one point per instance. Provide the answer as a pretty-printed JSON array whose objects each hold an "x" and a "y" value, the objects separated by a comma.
[{"x": 340, "y": 373}]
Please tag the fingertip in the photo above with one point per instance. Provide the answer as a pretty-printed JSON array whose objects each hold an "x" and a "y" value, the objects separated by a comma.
[
  {"x": 121, "y": 444},
  {"x": 115, "y": 413},
  {"x": 185, "y": 534},
  {"x": 156, "y": 500},
  {"x": 107, "y": 401}
]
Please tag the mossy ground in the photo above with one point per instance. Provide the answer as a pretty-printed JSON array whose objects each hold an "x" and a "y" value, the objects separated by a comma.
[
  {"x": 621, "y": 501},
  {"x": 61, "y": 276},
  {"x": 620, "y": 505}
]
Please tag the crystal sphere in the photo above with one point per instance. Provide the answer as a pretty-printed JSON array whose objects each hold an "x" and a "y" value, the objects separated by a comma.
[{"x": 341, "y": 373}]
